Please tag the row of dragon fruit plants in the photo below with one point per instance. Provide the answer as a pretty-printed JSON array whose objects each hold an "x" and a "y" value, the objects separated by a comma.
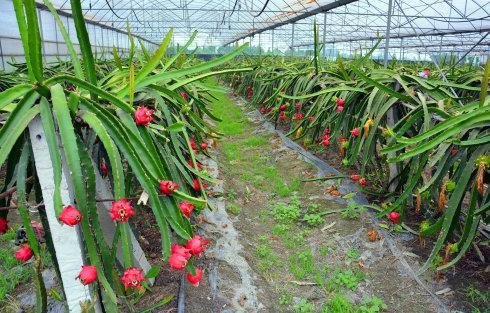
[
  {"x": 146, "y": 113},
  {"x": 432, "y": 133}
]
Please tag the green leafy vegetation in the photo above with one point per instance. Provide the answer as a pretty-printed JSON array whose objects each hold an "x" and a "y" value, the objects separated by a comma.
[{"x": 345, "y": 107}]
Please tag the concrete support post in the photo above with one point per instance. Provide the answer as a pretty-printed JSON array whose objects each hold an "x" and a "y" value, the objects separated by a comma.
[{"x": 66, "y": 240}]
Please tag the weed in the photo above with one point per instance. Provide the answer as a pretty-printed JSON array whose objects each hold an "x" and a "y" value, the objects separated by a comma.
[
  {"x": 338, "y": 304},
  {"x": 255, "y": 141},
  {"x": 301, "y": 264},
  {"x": 352, "y": 254},
  {"x": 231, "y": 195},
  {"x": 352, "y": 210},
  {"x": 313, "y": 219},
  {"x": 12, "y": 271},
  {"x": 304, "y": 306},
  {"x": 234, "y": 208},
  {"x": 477, "y": 297},
  {"x": 280, "y": 229},
  {"x": 372, "y": 305},
  {"x": 285, "y": 298},
  {"x": 345, "y": 278},
  {"x": 265, "y": 254},
  {"x": 286, "y": 213},
  {"x": 263, "y": 214},
  {"x": 294, "y": 239},
  {"x": 324, "y": 250}
]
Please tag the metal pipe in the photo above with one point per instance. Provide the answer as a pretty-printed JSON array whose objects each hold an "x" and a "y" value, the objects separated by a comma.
[
  {"x": 324, "y": 34},
  {"x": 471, "y": 49},
  {"x": 408, "y": 35},
  {"x": 292, "y": 20},
  {"x": 388, "y": 30}
]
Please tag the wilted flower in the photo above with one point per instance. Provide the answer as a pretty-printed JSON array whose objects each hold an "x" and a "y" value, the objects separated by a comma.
[
  {"x": 121, "y": 210},
  {"x": 196, "y": 278},
  {"x": 24, "y": 254},
  {"x": 297, "y": 105},
  {"x": 167, "y": 187},
  {"x": 132, "y": 277},
  {"x": 4, "y": 225},
  {"x": 103, "y": 169},
  {"x": 282, "y": 116},
  {"x": 186, "y": 208},
  {"x": 38, "y": 229},
  {"x": 70, "y": 216},
  {"x": 87, "y": 275},
  {"x": 143, "y": 116},
  {"x": 372, "y": 235}
]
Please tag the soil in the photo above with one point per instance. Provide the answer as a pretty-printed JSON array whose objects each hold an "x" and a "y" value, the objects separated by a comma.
[
  {"x": 469, "y": 272},
  {"x": 167, "y": 283},
  {"x": 237, "y": 279},
  {"x": 384, "y": 274}
]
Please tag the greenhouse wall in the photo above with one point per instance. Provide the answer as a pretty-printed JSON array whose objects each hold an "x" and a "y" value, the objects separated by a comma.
[{"x": 102, "y": 37}]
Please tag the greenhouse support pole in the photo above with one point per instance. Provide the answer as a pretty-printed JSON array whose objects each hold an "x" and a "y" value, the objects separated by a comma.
[
  {"x": 292, "y": 40},
  {"x": 1, "y": 55},
  {"x": 388, "y": 30},
  {"x": 324, "y": 34},
  {"x": 56, "y": 36},
  {"x": 272, "y": 42},
  {"x": 430, "y": 54},
  {"x": 401, "y": 49},
  {"x": 390, "y": 117}
]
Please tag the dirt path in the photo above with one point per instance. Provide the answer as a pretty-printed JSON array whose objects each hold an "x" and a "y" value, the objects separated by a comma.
[{"x": 283, "y": 245}]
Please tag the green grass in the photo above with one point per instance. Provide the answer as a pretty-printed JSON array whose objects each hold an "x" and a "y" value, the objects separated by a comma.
[
  {"x": 234, "y": 208},
  {"x": 301, "y": 264},
  {"x": 304, "y": 306},
  {"x": 339, "y": 303},
  {"x": 267, "y": 259},
  {"x": 233, "y": 121},
  {"x": 249, "y": 160},
  {"x": 352, "y": 254},
  {"x": 285, "y": 213},
  {"x": 477, "y": 298},
  {"x": 345, "y": 279},
  {"x": 12, "y": 271}
]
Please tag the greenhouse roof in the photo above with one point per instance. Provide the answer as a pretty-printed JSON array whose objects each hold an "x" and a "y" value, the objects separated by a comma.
[{"x": 427, "y": 25}]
